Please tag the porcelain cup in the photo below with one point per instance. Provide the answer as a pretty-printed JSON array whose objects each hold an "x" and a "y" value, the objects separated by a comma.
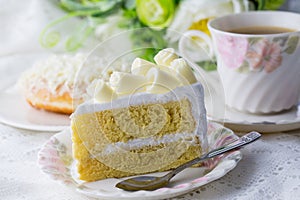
[{"x": 260, "y": 73}]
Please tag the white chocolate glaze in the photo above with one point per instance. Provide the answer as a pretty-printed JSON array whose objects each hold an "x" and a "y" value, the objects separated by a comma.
[
  {"x": 165, "y": 57},
  {"x": 126, "y": 83},
  {"x": 141, "y": 66},
  {"x": 168, "y": 73}
]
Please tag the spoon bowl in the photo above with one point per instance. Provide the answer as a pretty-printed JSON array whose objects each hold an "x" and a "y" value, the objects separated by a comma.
[{"x": 143, "y": 183}]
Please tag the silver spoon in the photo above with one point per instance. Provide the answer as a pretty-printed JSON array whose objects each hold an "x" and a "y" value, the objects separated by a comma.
[{"x": 152, "y": 182}]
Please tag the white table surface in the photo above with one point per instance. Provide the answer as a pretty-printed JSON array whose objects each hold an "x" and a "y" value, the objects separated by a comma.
[{"x": 270, "y": 168}]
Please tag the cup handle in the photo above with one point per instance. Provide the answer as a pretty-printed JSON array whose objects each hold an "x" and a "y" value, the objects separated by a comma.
[
  {"x": 207, "y": 78},
  {"x": 213, "y": 88},
  {"x": 206, "y": 46}
]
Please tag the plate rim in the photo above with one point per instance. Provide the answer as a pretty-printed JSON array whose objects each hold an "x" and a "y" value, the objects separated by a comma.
[
  {"x": 263, "y": 126},
  {"x": 270, "y": 122},
  {"x": 42, "y": 128}
]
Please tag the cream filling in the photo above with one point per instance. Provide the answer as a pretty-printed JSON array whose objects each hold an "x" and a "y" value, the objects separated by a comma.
[{"x": 152, "y": 141}]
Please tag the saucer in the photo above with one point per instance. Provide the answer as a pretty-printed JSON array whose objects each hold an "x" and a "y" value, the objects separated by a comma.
[
  {"x": 244, "y": 122},
  {"x": 281, "y": 122},
  {"x": 264, "y": 123}
]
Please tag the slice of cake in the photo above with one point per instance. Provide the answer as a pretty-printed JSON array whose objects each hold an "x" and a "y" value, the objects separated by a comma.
[{"x": 152, "y": 119}]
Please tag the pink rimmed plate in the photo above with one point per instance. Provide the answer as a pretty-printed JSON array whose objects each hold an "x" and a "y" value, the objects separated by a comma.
[{"x": 55, "y": 159}]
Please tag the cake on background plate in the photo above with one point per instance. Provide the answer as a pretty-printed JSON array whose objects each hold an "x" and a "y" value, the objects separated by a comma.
[
  {"x": 58, "y": 83},
  {"x": 151, "y": 119}
]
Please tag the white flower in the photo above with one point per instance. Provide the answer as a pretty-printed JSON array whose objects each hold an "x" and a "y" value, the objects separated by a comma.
[{"x": 193, "y": 11}]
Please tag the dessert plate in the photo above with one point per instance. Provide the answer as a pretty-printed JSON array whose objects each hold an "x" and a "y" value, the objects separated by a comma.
[
  {"x": 55, "y": 159},
  {"x": 15, "y": 111}
]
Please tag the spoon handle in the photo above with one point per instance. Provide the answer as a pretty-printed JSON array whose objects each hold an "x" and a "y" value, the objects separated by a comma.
[{"x": 246, "y": 139}]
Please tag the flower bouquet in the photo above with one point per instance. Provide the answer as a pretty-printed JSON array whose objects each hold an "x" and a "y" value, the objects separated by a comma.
[{"x": 156, "y": 23}]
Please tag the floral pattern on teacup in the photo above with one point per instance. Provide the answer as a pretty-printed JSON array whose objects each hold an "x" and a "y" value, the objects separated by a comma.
[
  {"x": 232, "y": 50},
  {"x": 256, "y": 53},
  {"x": 264, "y": 54}
]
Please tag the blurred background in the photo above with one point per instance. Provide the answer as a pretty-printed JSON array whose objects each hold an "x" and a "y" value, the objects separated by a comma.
[
  {"x": 23, "y": 22},
  {"x": 35, "y": 28},
  {"x": 291, "y": 5}
]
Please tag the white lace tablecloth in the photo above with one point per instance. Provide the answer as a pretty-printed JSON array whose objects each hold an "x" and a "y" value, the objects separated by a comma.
[{"x": 269, "y": 170}]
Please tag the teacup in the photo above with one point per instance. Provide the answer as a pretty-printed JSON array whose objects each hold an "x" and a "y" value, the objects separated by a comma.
[{"x": 258, "y": 58}]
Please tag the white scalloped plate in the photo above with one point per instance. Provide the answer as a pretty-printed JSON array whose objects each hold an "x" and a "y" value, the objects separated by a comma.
[
  {"x": 15, "y": 111},
  {"x": 55, "y": 159}
]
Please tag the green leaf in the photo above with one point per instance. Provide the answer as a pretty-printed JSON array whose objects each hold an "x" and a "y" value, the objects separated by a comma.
[
  {"x": 281, "y": 40},
  {"x": 292, "y": 44},
  {"x": 208, "y": 65},
  {"x": 51, "y": 39},
  {"x": 254, "y": 40},
  {"x": 266, "y": 4},
  {"x": 148, "y": 41},
  {"x": 273, "y": 4},
  {"x": 261, "y": 4},
  {"x": 244, "y": 68}
]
